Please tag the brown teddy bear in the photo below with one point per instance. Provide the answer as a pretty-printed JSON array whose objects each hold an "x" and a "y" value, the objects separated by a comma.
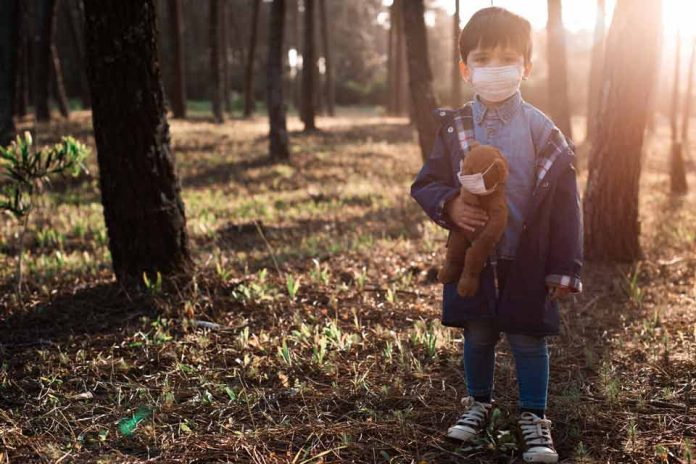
[{"x": 483, "y": 173}]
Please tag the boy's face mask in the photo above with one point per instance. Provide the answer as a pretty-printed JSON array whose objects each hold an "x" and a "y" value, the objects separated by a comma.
[
  {"x": 474, "y": 183},
  {"x": 497, "y": 83}
]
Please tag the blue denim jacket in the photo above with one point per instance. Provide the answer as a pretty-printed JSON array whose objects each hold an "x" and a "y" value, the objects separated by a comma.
[{"x": 546, "y": 240}]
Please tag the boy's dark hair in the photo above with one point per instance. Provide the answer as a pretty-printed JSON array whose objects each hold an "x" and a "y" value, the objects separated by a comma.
[{"x": 495, "y": 26}]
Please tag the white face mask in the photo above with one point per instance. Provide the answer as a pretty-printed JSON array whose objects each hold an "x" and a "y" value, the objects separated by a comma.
[
  {"x": 474, "y": 183},
  {"x": 496, "y": 83}
]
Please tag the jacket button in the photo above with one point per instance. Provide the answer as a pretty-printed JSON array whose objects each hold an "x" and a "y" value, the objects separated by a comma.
[
  {"x": 524, "y": 226},
  {"x": 450, "y": 129}
]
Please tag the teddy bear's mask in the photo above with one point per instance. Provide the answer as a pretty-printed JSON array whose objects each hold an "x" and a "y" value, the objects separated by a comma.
[{"x": 483, "y": 169}]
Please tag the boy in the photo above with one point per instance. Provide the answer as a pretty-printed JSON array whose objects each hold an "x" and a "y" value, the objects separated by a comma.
[{"x": 539, "y": 256}]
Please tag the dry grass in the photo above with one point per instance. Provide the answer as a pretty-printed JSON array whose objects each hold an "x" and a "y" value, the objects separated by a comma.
[{"x": 351, "y": 365}]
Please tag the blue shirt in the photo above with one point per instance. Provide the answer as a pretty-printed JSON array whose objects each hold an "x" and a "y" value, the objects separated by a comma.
[{"x": 517, "y": 129}]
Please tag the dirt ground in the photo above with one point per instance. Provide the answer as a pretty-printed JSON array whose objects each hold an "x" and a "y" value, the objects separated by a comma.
[{"x": 327, "y": 347}]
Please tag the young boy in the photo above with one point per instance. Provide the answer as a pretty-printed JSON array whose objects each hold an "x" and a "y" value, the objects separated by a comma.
[{"x": 539, "y": 256}]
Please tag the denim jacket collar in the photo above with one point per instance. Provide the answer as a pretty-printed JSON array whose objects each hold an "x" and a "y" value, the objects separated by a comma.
[{"x": 505, "y": 111}]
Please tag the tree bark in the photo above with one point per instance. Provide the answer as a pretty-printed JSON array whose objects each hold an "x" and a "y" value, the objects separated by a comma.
[
  {"x": 178, "y": 92},
  {"x": 216, "y": 78},
  {"x": 596, "y": 67},
  {"x": 75, "y": 17},
  {"x": 278, "y": 136},
  {"x": 22, "y": 79},
  {"x": 420, "y": 78},
  {"x": 456, "y": 90},
  {"x": 140, "y": 191},
  {"x": 9, "y": 14},
  {"x": 308, "y": 68},
  {"x": 329, "y": 85},
  {"x": 688, "y": 98},
  {"x": 400, "y": 90},
  {"x": 612, "y": 227},
  {"x": 57, "y": 83},
  {"x": 677, "y": 173},
  {"x": 224, "y": 56},
  {"x": 558, "y": 73},
  {"x": 390, "y": 62},
  {"x": 45, "y": 11},
  {"x": 249, "y": 105}
]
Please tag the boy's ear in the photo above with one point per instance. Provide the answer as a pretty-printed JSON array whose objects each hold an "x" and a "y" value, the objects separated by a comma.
[
  {"x": 464, "y": 71},
  {"x": 527, "y": 70}
]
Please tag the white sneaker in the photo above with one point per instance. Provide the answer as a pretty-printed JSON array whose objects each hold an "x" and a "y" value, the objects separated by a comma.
[
  {"x": 472, "y": 421},
  {"x": 536, "y": 433}
]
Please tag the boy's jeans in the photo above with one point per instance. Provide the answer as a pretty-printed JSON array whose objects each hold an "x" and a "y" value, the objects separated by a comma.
[{"x": 531, "y": 361}]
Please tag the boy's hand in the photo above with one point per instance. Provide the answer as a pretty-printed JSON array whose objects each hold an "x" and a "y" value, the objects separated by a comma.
[
  {"x": 556, "y": 292},
  {"x": 465, "y": 216}
]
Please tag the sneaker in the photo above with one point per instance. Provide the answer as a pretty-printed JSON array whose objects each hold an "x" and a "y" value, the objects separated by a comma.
[
  {"x": 472, "y": 421},
  {"x": 536, "y": 433}
]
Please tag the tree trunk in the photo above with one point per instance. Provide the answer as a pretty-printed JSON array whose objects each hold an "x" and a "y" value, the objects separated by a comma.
[
  {"x": 57, "y": 83},
  {"x": 677, "y": 173},
  {"x": 249, "y": 105},
  {"x": 329, "y": 85},
  {"x": 456, "y": 90},
  {"x": 278, "y": 136},
  {"x": 22, "y": 79},
  {"x": 178, "y": 92},
  {"x": 558, "y": 74},
  {"x": 75, "y": 18},
  {"x": 9, "y": 14},
  {"x": 224, "y": 56},
  {"x": 216, "y": 79},
  {"x": 140, "y": 191},
  {"x": 308, "y": 68},
  {"x": 420, "y": 78},
  {"x": 296, "y": 34},
  {"x": 596, "y": 67},
  {"x": 390, "y": 62},
  {"x": 399, "y": 92},
  {"x": 612, "y": 228},
  {"x": 45, "y": 11},
  {"x": 688, "y": 98}
]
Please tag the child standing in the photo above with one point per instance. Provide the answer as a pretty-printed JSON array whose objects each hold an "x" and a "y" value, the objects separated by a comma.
[{"x": 539, "y": 256}]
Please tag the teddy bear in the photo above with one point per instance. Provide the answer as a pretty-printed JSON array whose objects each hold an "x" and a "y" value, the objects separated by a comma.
[{"x": 482, "y": 175}]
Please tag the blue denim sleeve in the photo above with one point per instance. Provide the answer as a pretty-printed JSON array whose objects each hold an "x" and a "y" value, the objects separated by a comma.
[
  {"x": 566, "y": 241},
  {"x": 433, "y": 185}
]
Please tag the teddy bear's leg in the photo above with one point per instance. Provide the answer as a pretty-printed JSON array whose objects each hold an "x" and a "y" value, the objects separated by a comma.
[
  {"x": 455, "y": 257},
  {"x": 473, "y": 265}
]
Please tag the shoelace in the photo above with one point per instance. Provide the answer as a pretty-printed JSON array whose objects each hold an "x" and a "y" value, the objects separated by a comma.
[
  {"x": 535, "y": 430},
  {"x": 474, "y": 415}
]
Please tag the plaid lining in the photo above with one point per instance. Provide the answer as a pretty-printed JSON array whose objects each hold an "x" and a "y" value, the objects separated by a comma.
[
  {"x": 555, "y": 146},
  {"x": 573, "y": 283}
]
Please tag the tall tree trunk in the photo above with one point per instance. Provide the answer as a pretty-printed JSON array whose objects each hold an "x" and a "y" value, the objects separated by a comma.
[
  {"x": 44, "y": 11},
  {"x": 558, "y": 73},
  {"x": 688, "y": 99},
  {"x": 224, "y": 56},
  {"x": 75, "y": 19},
  {"x": 140, "y": 190},
  {"x": 9, "y": 14},
  {"x": 296, "y": 34},
  {"x": 178, "y": 92},
  {"x": 596, "y": 67},
  {"x": 420, "y": 78},
  {"x": 216, "y": 78},
  {"x": 22, "y": 79},
  {"x": 456, "y": 90},
  {"x": 318, "y": 76},
  {"x": 390, "y": 62},
  {"x": 249, "y": 105},
  {"x": 400, "y": 69},
  {"x": 308, "y": 68},
  {"x": 612, "y": 228},
  {"x": 329, "y": 86},
  {"x": 278, "y": 136},
  {"x": 677, "y": 173},
  {"x": 57, "y": 83}
]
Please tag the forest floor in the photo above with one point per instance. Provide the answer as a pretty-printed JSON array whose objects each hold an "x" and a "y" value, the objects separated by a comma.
[{"x": 319, "y": 274}]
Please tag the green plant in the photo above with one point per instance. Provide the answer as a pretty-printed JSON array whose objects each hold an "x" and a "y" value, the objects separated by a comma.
[
  {"x": 293, "y": 285},
  {"x": 26, "y": 172}
]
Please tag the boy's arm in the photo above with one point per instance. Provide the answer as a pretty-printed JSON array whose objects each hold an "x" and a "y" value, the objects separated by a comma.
[
  {"x": 566, "y": 248},
  {"x": 433, "y": 186}
]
